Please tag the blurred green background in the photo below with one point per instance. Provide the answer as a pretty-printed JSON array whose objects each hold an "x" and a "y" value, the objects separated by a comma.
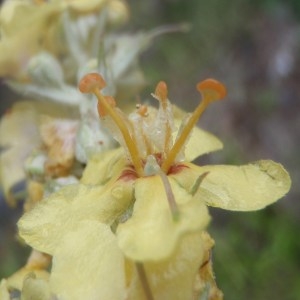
[{"x": 253, "y": 47}]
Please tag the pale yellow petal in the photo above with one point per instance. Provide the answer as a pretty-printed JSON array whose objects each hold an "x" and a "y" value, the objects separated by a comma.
[
  {"x": 84, "y": 6},
  {"x": 201, "y": 142},
  {"x": 88, "y": 264},
  {"x": 44, "y": 227},
  {"x": 19, "y": 136},
  {"x": 174, "y": 277},
  {"x": 35, "y": 288},
  {"x": 151, "y": 233},
  {"x": 103, "y": 166},
  {"x": 4, "y": 293},
  {"x": 24, "y": 35},
  {"x": 243, "y": 188},
  {"x": 16, "y": 280}
]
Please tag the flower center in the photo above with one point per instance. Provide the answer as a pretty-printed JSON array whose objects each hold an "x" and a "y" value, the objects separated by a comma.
[{"x": 147, "y": 133}]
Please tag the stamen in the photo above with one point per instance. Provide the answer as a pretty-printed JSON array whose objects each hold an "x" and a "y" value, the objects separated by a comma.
[
  {"x": 161, "y": 94},
  {"x": 211, "y": 90},
  {"x": 142, "y": 110},
  {"x": 90, "y": 82},
  {"x": 101, "y": 109},
  {"x": 93, "y": 83}
]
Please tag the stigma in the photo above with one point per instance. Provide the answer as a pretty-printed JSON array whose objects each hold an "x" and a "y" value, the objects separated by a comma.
[{"x": 147, "y": 133}]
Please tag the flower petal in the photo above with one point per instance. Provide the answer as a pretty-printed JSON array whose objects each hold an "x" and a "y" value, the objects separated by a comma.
[
  {"x": 35, "y": 288},
  {"x": 201, "y": 142},
  {"x": 44, "y": 227},
  {"x": 4, "y": 293},
  {"x": 174, "y": 277},
  {"x": 19, "y": 136},
  {"x": 16, "y": 280},
  {"x": 103, "y": 166},
  {"x": 88, "y": 264},
  {"x": 242, "y": 188},
  {"x": 151, "y": 233}
]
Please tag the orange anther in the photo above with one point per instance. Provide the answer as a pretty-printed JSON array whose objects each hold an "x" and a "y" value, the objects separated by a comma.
[
  {"x": 212, "y": 86},
  {"x": 142, "y": 110},
  {"x": 161, "y": 91},
  {"x": 90, "y": 82}
]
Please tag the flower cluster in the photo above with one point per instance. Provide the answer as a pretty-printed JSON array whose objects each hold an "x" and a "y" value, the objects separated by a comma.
[
  {"x": 104, "y": 221},
  {"x": 45, "y": 48},
  {"x": 137, "y": 218}
]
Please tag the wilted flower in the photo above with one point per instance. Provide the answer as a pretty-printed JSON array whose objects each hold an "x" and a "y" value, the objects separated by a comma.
[{"x": 141, "y": 212}]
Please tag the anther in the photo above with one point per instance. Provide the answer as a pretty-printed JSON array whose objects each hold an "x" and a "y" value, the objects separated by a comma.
[
  {"x": 143, "y": 110},
  {"x": 161, "y": 92},
  {"x": 90, "y": 82},
  {"x": 211, "y": 89}
]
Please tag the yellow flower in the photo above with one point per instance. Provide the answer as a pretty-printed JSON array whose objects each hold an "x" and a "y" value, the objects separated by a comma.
[
  {"x": 24, "y": 29},
  {"x": 145, "y": 205},
  {"x": 150, "y": 149},
  {"x": 29, "y": 28}
]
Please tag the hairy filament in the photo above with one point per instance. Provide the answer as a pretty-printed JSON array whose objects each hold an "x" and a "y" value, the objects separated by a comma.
[
  {"x": 131, "y": 145},
  {"x": 93, "y": 83},
  {"x": 211, "y": 90}
]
